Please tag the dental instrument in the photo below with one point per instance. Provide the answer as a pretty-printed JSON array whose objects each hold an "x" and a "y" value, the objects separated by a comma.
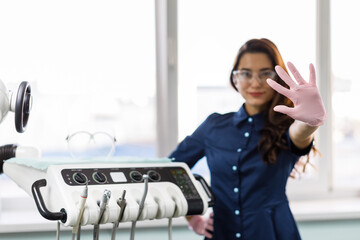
[
  {"x": 83, "y": 198},
  {"x": 141, "y": 205},
  {"x": 122, "y": 204},
  {"x": 104, "y": 202}
]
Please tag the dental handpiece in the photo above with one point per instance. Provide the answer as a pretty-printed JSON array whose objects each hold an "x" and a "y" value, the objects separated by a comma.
[
  {"x": 83, "y": 198},
  {"x": 142, "y": 201},
  {"x": 122, "y": 204},
  {"x": 141, "y": 206},
  {"x": 103, "y": 204}
]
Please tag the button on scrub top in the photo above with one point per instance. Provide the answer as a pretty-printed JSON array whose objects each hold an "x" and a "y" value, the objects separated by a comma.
[{"x": 250, "y": 199}]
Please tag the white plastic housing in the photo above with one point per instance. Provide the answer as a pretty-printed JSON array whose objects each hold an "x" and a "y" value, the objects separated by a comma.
[{"x": 163, "y": 200}]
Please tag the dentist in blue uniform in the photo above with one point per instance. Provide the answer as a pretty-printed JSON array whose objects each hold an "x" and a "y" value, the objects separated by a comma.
[{"x": 251, "y": 152}]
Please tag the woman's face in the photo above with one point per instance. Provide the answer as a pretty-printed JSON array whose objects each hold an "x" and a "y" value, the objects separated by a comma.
[{"x": 253, "y": 70}]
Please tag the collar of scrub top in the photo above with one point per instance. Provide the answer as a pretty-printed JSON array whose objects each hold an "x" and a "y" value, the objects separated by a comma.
[{"x": 241, "y": 116}]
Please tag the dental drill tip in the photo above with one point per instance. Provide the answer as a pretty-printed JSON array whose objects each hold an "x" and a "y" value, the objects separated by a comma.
[
  {"x": 107, "y": 193},
  {"x": 84, "y": 193}
]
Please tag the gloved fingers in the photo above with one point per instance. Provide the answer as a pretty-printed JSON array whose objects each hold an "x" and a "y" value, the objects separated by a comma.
[
  {"x": 296, "y": 74},
  {"x": 210, "y": 221},
  {"x": 197, "y": 224},
  {"x": 285, "y": 77},
  {"x": 277, "y": 87},
  {"x": 208, "y": 234},
  {"x": 312, "y": 78},
  {"x": 284, "y": 109},
  {"x": 209, "y": 228}
]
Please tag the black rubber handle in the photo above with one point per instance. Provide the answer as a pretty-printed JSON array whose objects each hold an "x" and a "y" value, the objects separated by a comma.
[
  {"x": 35, "y": 189},
  {"x": 22, "y": 106},
  {"x": 206, "y": 188}
]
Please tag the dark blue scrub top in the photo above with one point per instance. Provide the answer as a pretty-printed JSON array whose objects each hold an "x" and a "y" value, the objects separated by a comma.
[{"x": 250, "y": 199}]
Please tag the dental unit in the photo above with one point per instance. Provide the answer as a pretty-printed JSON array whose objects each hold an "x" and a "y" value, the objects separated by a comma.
[{"x": 110, "y": 192}]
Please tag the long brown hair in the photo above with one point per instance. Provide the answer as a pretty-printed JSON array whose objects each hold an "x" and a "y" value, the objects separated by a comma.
[{"x": 273, "y": 138}]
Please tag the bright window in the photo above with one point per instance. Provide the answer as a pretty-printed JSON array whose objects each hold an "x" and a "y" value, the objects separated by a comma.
[
  {"x": 208, "y": 47},
  {"x": 91, "y": 66},
  {"x": 346, "y": 86}
]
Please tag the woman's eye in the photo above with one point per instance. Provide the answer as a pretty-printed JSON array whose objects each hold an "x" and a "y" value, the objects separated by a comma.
[
  {"x": 246, "y": 74},
  {"x": 267, "y": 74}
]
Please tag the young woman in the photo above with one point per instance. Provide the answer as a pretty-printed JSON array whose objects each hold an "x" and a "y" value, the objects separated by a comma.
[{"x": 251, "y": 153}]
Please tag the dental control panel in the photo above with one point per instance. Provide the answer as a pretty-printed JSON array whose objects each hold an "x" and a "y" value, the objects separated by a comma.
[{"x": 151, "y": 191}]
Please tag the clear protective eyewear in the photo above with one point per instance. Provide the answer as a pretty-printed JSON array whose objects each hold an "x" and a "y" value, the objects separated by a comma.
[
  {"x": 246, "y": 76},
  {"x": 84, "y": 145}
]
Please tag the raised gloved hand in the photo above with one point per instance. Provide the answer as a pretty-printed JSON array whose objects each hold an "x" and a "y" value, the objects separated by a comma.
[
  {"x": 202, "y": 226},
  {"x": 308, "y": 105}
]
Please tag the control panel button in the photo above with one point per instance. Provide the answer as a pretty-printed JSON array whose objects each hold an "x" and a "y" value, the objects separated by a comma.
[
  {"x": 154, "y": 176},
  {"x": 99, "y": 177},
  {"x": 80, "y": 178},
  {"x": 118, "y": 177},
  {"x": 136, "y": 176}
]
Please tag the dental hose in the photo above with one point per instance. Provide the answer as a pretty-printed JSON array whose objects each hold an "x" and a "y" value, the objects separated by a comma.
[
  {"x": 141, "y": 206},
  {"x": 170, "y": 225},
  {"x": 58, "y": 230},
  {"x": 170, "y": 229}
]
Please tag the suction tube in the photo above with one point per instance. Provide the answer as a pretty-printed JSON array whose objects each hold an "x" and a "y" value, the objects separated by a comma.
[
  {"x": 13, "y": 150},
  {"x": 6, "y": 152}
]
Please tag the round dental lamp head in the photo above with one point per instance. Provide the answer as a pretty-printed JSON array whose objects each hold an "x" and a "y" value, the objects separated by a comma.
[{"x": 19, "y": 102}]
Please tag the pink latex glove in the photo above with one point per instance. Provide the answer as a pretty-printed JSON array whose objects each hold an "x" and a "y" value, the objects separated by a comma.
[
  {"x": 308, "y": 105},
  {"x": 202, "y": 226}
]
